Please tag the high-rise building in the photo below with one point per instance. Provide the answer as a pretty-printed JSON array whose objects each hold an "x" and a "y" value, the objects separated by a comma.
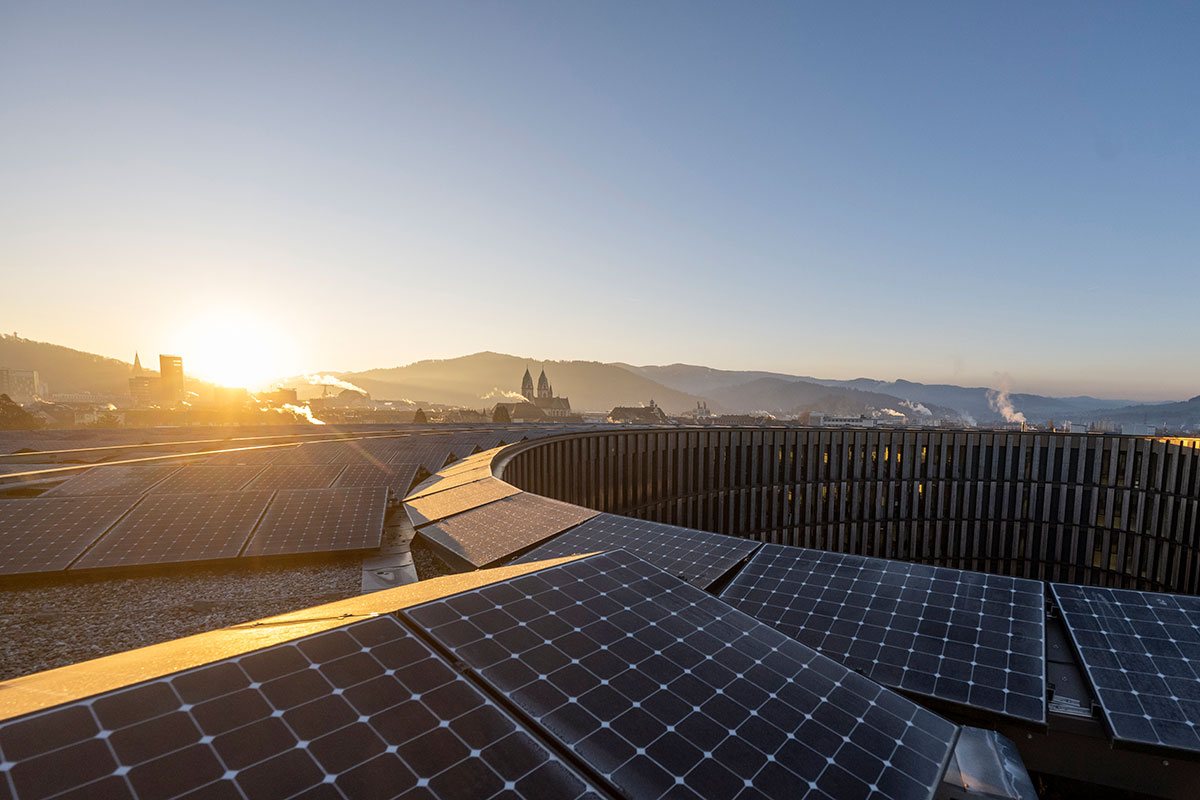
[
  {"x": 21, "y": 385},
  {"x": 170, "y": 371}
]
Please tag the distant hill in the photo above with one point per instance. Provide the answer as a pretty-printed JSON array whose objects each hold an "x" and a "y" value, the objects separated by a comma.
[
  {"x": 1163, "y": 415},
  {"x": 781, "y": 396},
  {"x": 64, "y": 369},
  {"x": 483, "y": 379}
]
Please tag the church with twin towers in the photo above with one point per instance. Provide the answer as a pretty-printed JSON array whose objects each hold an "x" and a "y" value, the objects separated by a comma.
[{"x": 544, "y": 398}]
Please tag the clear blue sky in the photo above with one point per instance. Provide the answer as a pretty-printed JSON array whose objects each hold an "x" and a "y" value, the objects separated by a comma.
[{"x": 934, "y": 191}]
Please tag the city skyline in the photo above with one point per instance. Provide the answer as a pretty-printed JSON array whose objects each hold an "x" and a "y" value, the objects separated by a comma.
[{"x": 936, "y": 193}]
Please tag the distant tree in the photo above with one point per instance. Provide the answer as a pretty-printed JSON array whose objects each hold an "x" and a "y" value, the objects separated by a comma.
[
  {"x": 501, "y": 414},
  {"x": 15, "y": 418},
  {"x": 420, "y": 417}
]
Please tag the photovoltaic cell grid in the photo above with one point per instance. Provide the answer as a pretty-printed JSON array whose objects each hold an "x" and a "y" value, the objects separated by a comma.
[
  {"x": 431, "y": 456},
  {"x": 1141, "y": 652},
  {"x": 665, "y": 690},
  {"x": 366, "y": 710},
  {"x": 439, "y": 505},
  {"x": 320, "y": 520},
  {"x": 296, "y": 476},
  {"x": 503, "y": 528},
  {"x": 172, "y": 528},
  {"x": 314, "y": 453},
  {"x": 112, "y": 480},
  {"x": 963, "y": 637},
  {"x": 261, "y": 456},
  {"x": 697, "y": 557},
  {"x": 207, "y": 479},
  {"x": 388, "y": 475},
  {"x": 44, "y": 534}
]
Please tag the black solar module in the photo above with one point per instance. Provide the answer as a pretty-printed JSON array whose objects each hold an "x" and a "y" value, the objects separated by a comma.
[
  {"x": 313, "y": 453},
  {"x": 439, "y": 505},
  {"x": 167, "y": 528},
  {"x": 207, "y": 479},
  {"x": 296, "y": 476},
  {"x": 666, "y": 690},
  {"x": 967, "y": 638},
  {"x": 117, "y": 479},
  {"x": 366, "y": 710},
  {"x": 697, "y": 557},
  {"x": 363, "y": 474},
  {"x": 259, "y": 456},
  {"x": 43, "y": 534},
  {"x": 502, "y": 528},
  {"x": 431, "y": 455},
  {"x": 320, "y": 520},
  {"x": 1141, "y": 652}
]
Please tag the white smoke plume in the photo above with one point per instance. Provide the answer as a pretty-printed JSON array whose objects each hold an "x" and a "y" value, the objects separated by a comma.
[
  {"x": 330, "y": 380},
  {"x": 891, "y": 412},
  {"x": 496, "y": 393},
  {"x": 917, "y": 407},
  {"x": 999, "y": 401},
  {"x": 304, "y": 412}
]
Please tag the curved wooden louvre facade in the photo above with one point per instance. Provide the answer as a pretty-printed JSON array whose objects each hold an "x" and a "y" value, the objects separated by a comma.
[{"x": 1096, "y": 509}]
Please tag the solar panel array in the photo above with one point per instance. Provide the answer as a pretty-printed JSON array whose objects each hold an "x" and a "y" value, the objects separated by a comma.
[
  {"x": 366, "y": 710},
  {"x": 392, "y": 476},
  {"x": 664, "y": 690},
  {"x": 166, "y": 528},
  {"x": 260, "y": 456},
  {"x": 1141, "y": 653},
  {"x": 439, "y": 505},
  {"x": 44, "y": 534},
  {"x": 320, "y": 520},
  {"x": 503, "y": 528},
  {"x": 966, "y": 638},
  {"x": 430, "y": 455},
  {"x": 313, "y": 453},
  {"x": 698, "y": 557},
  {"x": 112, "y": 480},
  {"x": 206, "y": 478},
  {"x": 296, "y": 476}
]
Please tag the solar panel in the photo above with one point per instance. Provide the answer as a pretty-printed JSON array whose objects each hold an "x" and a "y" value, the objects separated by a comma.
[
  {"x": 260, "y": 456},
  {"x": 439, "y": 505},
  {"x": 314, "y": 453},
  {"x": 170, "y": 528},
  {"x": 110, "y": 480},
  {"x": 698, "y": 557},
  {"x": 207, "y": 479},
  {"x": 431, "y": 455},
  {"x": 369, "y": 451},
  {"x": 296, "y": 476},
  {"x": 501, "y": 529},
  {"x": 387, "y": 475},
  {"x": 320, "y": 520},
  {"x": 43, "y": 534},
  {"x": 665, "y": 690},
  {"x": 1141, "y": 653},
  {"x": 967, "y": 638},
  {"x": 366, "y": 710}
]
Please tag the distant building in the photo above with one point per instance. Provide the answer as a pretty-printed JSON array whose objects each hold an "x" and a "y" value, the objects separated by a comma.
[
  {"x": 143, "y": 388},
  {"x": 544, "y": 399},
  {"x": 639, "y": 415},
  {"x": 170, "y": 378},
  {"x": 21, "y": 385}
]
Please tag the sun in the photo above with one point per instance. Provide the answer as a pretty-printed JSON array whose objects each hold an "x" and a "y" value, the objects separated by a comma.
[{"x": 234, "y": 348}]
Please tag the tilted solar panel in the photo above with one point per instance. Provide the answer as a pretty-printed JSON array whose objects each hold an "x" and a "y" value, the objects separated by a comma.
[
  {"x": 439, "y": 505},
  {"x": 363, "y": 474},
  {"x": 167, "y": 528},
  {"x": 259, "y": 456},
  {"x": 112, "y": 480},
  {"x": 320, "y": 520},
  {"x": 503, "y": 528},
  {"x": 296, "y": 476},
  {"x": 207, "y": 479},
  {"x": 314, "y": 453},
  {"x": 967, "y": 638},
  {"x": 698, "y": 557},
  {"x": 45, "y": 534},
  {"x": 366, "y": 710},
  {"x": 1141, "y": 653},
  {"x": 665, "y": 690}
]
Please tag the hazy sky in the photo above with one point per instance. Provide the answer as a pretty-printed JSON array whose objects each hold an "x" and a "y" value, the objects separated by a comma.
[{"x": 935, "y": 191}]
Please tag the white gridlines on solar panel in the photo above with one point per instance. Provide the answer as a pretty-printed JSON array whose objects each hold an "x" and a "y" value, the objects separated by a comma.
[
  {"x": 296, "y": 476},
  {"x": 698, "y": 557},
  {"x": 665, "y": 690},
  {"x": 389, "y": 475},
  {"x": 502, "y": 528},
  {"x": 364, "y": 710},
  {"x": 169, "y": 528},
  {"x": 45, "y": 534},
  {"x": 320, "y": 520},
  {"x": 111, "y": 480},
  {"x": 1141, "y": 653},
  {"x": 207, "y": 479},
  {"x": 963, "y": 637}
]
